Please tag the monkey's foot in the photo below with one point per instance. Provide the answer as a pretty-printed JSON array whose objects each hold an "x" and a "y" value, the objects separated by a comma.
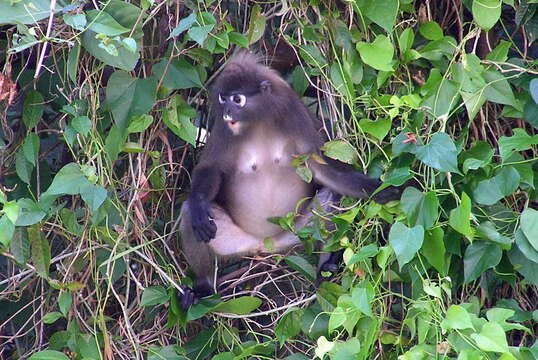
[
  {"x": 331, "y": 265},
  {"x": 188, "y": 297}
]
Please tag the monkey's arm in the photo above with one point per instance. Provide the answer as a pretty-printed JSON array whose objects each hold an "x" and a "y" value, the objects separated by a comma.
[
  {"x": 205, "y": 187},
  {"x": 350, "y": 182}
]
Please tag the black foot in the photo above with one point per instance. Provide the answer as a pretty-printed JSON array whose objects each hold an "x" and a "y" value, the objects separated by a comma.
[
  {"x": 332, "y": 265},
  {"x": 202, "y": 288},
  {"x": 188, "y": 297}
]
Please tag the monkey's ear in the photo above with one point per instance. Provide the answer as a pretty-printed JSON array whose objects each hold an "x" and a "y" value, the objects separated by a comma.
[{"x": 265, "y": 86}]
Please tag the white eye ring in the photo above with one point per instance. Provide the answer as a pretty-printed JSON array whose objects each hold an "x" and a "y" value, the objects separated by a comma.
[
  {"x": 242, "y": 99},
  {"x": 221, "y": 99}
]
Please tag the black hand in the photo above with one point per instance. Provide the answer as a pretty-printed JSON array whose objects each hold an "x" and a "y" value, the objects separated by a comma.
[
  {"x": 388, "y": 194},
  {"x": 203, "y": 225}
]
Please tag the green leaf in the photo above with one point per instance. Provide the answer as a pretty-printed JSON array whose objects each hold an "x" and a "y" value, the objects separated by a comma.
[
  {"x": 440, "y": 153},
  {"x": 72, "y": 62},
  {"x": 304, "y": 173},
  {"x": 420, "y": 208},
  {"x": 529, "y": 226},
  {"x": 523, "y": 265},
  {"x": 94, "y": 196},
  {"x": 30, "y": 148},
  {"x": 488, "y": 192},
  {"x": 300, "y": 264},
  {"x": 526, "y": 247},
  {"x": 24, "y": 11},
  {"x": 129, "y": 44},
  {"x": 32, "y": 109},
  {"x": 200, "y": 33},
  {"x": 339, "y": 150},
  {"x": 68, "y": 181},
  {"x": 530, "y": 113},
  {"x": 378, "y": 128},
  {"x": 362, "y": 297},
  {"x": 139, "y": 123},
  {"x": 40, "y": 250},
  {"x": 76, "y": 21},
  {"x": 377, "y": 54},
  {"x": 289, "y": 325},
  {"x": 82, "y": 124},
  {"x": 64, "y": 302},
  {"x": 238, "y": 39},
  {"x": 180, "y": 74},
  {"x": 457, "y": 318},
  {"x": 102, "y": 22},
  {"x": 405, "y": 40},
  {"x": 533, "y": 89},
  {"x": 498, "y": 89},
  {"x": 500, "y": 316},
  {"x": 128, "y": 97},
  {"x": 479, "y": 257},
  {"x": 500, "y": 53},
  {"x": 405, "y": 241},
  {"x": 383, "y": 13},
  {"x": 299, "y": 81},
  {"x": 184, "y": 25},
  {"x": 486, "y": 13},
  {"x": 491, "y": 337},
  {"x": 488, "y": 231},
  {"x": 48, "y": 355},
  {"x": 124, "y": 60},
  {"x": 323, "y": 347},
  {"x": 11, "y": 210},
  {"x": 341, "y": 81},
  {"x": 460, "y": 217},
  {"x": 51, "y": 317},
  {"x": 154, "y": 295},
  {"x": 431, "y": 30},
  {"x": 434, "y": 250},
  {"x": 177, "y": 117},
  {"x": 30, "y": 213},
  {"x": 240, "y": 306},
  {"x": 346, "y": 350},
  {"x": 114, "y": 143},
  {"x": 443, "y": 98},
  {"x": 20, "y": 245},
  {"x": 478, "y": 156},
  {"x": 520, "y": 141},
  {"x": 256, "y": 25},
  {"x": 473, "y": 102},
  {"x": 7, "y": 229}
]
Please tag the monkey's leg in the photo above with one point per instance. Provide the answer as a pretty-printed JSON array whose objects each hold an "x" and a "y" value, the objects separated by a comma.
[
  {"x": 322, "y": 203},
  {"x": 351, "y": 183},
  {"x": 230, "y": 242}
]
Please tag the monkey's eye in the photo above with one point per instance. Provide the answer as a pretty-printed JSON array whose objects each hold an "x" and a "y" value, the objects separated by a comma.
[
  {"x": 239, "y": 99},
  {"x": 221, "y": 99}
]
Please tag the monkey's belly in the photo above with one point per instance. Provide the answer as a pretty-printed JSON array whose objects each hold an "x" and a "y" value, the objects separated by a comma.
[{"x": 264, "y": 194}]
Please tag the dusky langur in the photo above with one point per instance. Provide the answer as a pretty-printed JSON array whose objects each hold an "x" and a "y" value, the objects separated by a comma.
[{"x": 245, "y": 177}]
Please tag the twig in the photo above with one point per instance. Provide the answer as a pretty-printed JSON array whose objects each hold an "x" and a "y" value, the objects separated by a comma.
[{"x": 46, "y": 43}]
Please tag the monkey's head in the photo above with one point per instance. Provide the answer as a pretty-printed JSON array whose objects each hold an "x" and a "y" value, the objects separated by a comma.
[{"x": 242, "y": 93}]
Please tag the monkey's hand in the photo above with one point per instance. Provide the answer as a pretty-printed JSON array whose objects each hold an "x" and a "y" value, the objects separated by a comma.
[
  {"x": 388, "y": 194},
  {"x": 202, "y": 216}
]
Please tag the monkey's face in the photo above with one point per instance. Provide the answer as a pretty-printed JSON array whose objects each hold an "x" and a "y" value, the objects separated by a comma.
[{"x": 242, "y": 107}]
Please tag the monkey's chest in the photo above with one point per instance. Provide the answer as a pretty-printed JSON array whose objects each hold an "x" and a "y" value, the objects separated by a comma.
[{"x": 264, "y": 185}]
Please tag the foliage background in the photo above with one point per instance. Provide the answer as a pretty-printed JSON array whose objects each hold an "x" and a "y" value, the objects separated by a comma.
[{"x": 103, "y": 112}]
